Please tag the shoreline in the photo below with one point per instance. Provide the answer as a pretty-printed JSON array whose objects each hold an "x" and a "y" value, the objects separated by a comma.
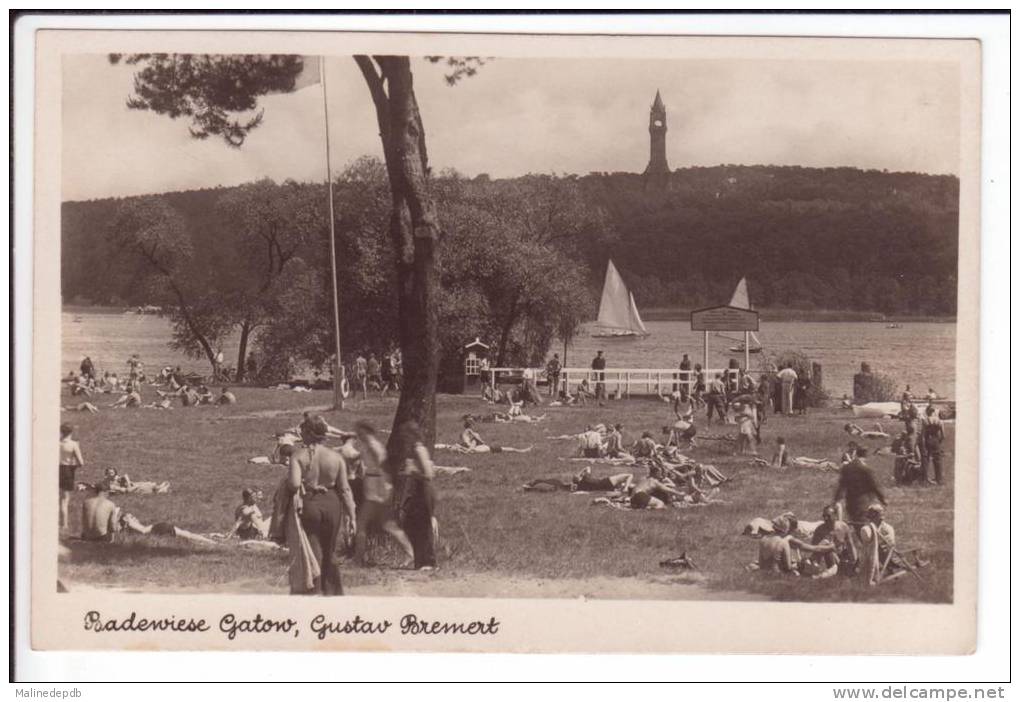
[{"x": 668, "y": 314}]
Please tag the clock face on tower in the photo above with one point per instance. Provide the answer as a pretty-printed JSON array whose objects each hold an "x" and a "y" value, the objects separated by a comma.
[{"x": 657, "y": 123}]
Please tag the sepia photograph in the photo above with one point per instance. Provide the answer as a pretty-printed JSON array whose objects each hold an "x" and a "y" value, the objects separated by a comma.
[{"x": 676, "y": 322}]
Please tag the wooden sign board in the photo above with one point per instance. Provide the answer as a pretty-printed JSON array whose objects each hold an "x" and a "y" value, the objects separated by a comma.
[{"x": 724, "y": 318}]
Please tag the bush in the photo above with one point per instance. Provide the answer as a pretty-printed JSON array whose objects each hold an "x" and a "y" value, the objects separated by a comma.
[{"x": 873, "y": 387}]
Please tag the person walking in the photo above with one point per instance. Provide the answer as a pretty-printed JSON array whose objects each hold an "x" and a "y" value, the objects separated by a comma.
[
  {"x": 318, "y": 478},
  {"x": 417, "y": 503}
]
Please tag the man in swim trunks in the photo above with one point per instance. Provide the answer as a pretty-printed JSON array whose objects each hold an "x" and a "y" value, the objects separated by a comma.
[
  {"x": 590, "y": 443},
  {"x": 100, "y": 517}
]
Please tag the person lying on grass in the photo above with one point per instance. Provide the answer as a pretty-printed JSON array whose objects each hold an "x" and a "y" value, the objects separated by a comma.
[
  {"x": 165, "y": 404},
  {"x": 582, "y": 482},
  {"x": 131, "y": 523},
  {"x": 81, "y": 407},
  {"x": 122, "y": 483},
  {"x": 781, "y": 459},
  {"x": 876, "y": 433},
  {"x": 472, "y": 442},
  {"x": 516, "y": 415}
]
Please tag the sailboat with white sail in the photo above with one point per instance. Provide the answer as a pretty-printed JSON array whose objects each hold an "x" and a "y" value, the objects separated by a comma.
[
  {"x": 618, "y": 314},
  {"x": 742, "y": 300}
]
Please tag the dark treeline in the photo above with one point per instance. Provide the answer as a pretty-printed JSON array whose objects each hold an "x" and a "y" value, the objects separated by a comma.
[
  {"x": 838, "y": 238},
  {"x": 522, "y": 259}
]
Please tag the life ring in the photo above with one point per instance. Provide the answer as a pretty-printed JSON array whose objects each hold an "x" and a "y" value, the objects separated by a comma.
[{"x": 345, "y": 388}]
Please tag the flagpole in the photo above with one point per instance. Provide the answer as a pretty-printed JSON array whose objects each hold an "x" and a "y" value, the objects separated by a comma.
[{"x": 338, "y": 370}]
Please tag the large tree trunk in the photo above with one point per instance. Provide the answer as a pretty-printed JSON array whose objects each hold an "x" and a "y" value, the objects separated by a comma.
[
  {"x": 415, "y": 234},
  {"x": 242, "y": 351}
]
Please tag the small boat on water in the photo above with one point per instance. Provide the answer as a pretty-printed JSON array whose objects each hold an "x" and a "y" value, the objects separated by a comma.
[
  {"x": 893, "y": 326},
  {"x": 742, "y": 300},
  {"x": 618, "y": 314}
]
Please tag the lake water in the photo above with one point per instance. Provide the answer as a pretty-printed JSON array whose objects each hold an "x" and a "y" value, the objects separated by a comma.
[{"x": 921, "y": 354}]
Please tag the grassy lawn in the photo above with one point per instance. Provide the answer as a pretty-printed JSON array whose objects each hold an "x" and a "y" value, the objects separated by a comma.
[{"x": 496, "y": 539}]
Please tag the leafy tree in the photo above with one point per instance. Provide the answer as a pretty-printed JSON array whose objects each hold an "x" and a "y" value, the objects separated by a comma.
[
  {"x": 155, "y": 234},
  {"x": 212, "y": 90},
  {"x": 271, "y": 226}
]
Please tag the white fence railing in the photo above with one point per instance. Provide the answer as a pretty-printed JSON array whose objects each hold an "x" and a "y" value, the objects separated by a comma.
[{"x": 626, "y": 381}]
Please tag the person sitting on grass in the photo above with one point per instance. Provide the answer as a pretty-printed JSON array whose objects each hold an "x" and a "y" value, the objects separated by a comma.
[
  {"x": 164, "y": 404},
  {"x": 205, "y": 396},
  {"x": 835, "y": 550},
  {"x": 650, "y": 493},
  {"x": 131, "y": 399},
  {"x": 82, "y": 386},
  {"x": 582, "y": 482},
  {"x": 100, "y": 517},
  {"x": 850, "y": 454},
  {"x": 226, "y": 397},
  {"x": 589, "y": 443},
  {"x": 189, "y": 397},
  {"x": 584, "y": 392},
  {"x": 644, "y": 448},
  {"x": 614, "y": 444},
  {"x": 249, "y": 525}
]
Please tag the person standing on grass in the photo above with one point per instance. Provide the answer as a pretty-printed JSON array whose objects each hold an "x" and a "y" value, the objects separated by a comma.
[
  {"x": 361, "y": 375},
  {"x": 386, "y": 373},
  {"x": 598, "y": 364},
  {"x": 552, "y": 373},
  {"x": 699, "y": 385},
  {"x": 933, "y": 433},
  {"x": 417, "y": 502},
  {"x": 377, "y": 496},
  {"x": 858, "y": 487},
  {"x": 685, "y": 374},
  {"x": 802, "y": 387},
  {"x": 374, "y": 377},
  {"x": 319, "y": 475},
  {"x": 70, "y": 461},
  {"x": 716, "y": 399},
  {"x": 787, "y": 377}
]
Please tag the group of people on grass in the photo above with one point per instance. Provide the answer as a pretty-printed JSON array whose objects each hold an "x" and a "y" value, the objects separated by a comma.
[
  {"x": 383, "y": 374},
  {"x": 329, "y": 497}
]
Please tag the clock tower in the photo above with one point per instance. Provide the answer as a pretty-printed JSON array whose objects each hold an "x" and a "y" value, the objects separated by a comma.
[{"x": 657, "y": 166}]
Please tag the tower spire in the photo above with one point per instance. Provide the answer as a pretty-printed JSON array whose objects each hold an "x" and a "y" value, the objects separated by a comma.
[{"x": 658, "y": 168}]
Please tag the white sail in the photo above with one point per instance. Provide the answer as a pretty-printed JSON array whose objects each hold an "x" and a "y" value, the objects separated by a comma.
[
  {"x": 635, "y": 317},
  {"x": 755, "y": 339},
  {"x": 613, "y": 310},
  {"x": 740, "y": 298},
  {"x": 618, "y": 315}
]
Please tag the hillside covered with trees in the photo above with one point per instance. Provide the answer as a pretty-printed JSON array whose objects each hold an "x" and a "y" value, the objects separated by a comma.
[{"x": 521, "y": 259}]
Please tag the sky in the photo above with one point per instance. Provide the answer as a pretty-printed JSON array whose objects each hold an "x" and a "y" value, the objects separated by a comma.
[{"x": 519, "y": 116}]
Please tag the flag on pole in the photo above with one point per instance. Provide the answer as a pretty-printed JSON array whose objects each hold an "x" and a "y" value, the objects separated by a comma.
[{"x": 311, "y": 72}]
